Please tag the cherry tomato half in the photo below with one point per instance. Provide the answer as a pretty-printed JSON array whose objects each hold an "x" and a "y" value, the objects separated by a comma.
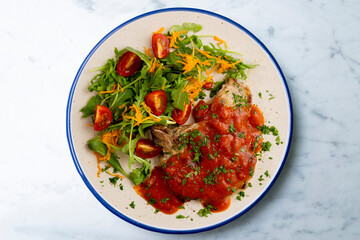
[
  {"x": 160, "y": 45},
  {"x": 145, "y": 148},
  {"x": 256, "y": 117},
  {"x": 208, "y": 85},
  {"x": 180, "y": 116},
  {"x": 103, "y": 118},
  {"x": 128, "y": 64},
  {"x": 201, "y": 111},
  {"x": 157, "y": 101}
]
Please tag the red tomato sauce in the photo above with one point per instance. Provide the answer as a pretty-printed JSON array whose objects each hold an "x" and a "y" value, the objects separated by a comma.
[{"x": 218, "y": 158}]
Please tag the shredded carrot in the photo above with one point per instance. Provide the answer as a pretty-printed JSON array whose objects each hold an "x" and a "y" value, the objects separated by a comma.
[
  {"x": 113, "y": 174},
  {"x": 195, "y": 86},
  {"x": 98, "y": 163},
  {"x": 174, "y": 37},
  {"x": 122, "y": 106},
  {"x": 111, "y": 137},
  {"x": 159, "y": 31},
  {"x": 108, "y": 138},
  {"x": 224, "y": 65},
  {"x": 138, "y": 117},
  {"x": 115, "y": 88},
  {"x": 205, "y": 53},
  {"x": 148, "y": 52},
  {"x": 154, "y": 65},
  {"x": 220, "y": 41},
  {"x": 148, "y": 110},
  {"x": 110, "y": 91},
  {"x": 87, "y": 124},
  {"x": 190, "y": 61}
]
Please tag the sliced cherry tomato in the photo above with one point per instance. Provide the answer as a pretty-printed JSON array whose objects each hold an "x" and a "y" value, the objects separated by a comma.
[
  {"x": 103, "y": 118},
  {"x": 180, "y": 116},
  {"x": 157, "y": 101},
  {"x": 145, "y": 148},
  {"x": 208, "y": 85},
  {"x": 160, "y": 45},
  {"x": 128, "y": 64},
  {"x": 201, "y": 111},
  {"x": 256, "y": 117}
]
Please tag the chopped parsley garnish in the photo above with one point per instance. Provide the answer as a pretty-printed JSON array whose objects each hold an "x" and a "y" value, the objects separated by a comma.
[
  {"x": 213, "y": 115},
  {"x": 180, "y": 216},
  {"x": 164, "y": 200},
  {"x": 249, "y": 184},
  {"x": 267, "y": 173},
  {"x": 261, "y": 178},
  {"x": 217, "y": 137},
  {"x": 267, "y": 130},
  {"x": 232, "y": 128},
  {"x": 251, "y": 173},
  {"x": 203, "y": 107},
  {"x": 152, "y": 201},
  {"x": 265, "y": 146},
  {"x": 114, "y": 180},
  {"x": 240, "y": 195},
  {"x": 121, "y": 186},
  {"x": 205, "y": 211},
  {"x": 183, "y": 181},
  {"x": 256, "y": 142},
  {"x": 132, "y": 204}
]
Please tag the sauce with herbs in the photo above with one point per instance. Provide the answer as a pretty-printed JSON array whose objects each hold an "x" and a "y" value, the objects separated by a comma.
[{"x": 218, "y": 158}]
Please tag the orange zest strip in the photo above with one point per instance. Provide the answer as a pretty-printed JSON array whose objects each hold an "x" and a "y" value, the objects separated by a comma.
[
  {"x": 148, "y": 52},
  {"x": 159, "y": 31}
]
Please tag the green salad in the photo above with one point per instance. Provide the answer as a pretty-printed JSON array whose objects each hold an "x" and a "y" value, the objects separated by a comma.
[{"x": 137, "y": 89}]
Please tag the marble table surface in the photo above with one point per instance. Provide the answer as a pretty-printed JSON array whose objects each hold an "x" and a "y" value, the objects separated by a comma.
[{"x": 316, "y": 42}]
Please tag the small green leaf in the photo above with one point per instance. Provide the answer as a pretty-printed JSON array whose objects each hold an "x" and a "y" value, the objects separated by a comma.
[
  {"x": 180, "y": 98},
  {"x": 89, "y": 108},
  {"x": 216, "y": 88},
  {"x": 141, "y": 55},
  {"x": 186, "y": 27},
  {"x": 98, "y": 146}
]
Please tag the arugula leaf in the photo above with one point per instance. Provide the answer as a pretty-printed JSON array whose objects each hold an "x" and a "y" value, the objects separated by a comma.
[
  {"x": 141, "y": 55},
  {"x": 116, "y": 164},
  {"x": 138, "y": 175},
  {"x": 119, "y": 98},
  {"x": 98, "y": 146},
  {"x": 180, "y": 98},
  {"x": 216, "y": 88},
  {"x": 186, "y": 27},
  {"x": 89, "y": 108}
]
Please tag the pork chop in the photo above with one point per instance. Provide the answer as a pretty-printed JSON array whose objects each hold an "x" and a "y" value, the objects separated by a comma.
[{"x": 232, "y": 94}]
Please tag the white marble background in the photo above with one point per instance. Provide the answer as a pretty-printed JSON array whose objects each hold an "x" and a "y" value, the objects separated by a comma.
[{"x": 43, "y": 43}]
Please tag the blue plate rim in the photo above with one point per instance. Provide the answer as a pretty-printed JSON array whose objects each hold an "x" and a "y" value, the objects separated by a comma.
[{"x": 76, "y": 162}]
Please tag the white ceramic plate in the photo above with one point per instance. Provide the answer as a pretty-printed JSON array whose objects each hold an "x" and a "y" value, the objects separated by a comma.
[{"x": 266, "y": 78}]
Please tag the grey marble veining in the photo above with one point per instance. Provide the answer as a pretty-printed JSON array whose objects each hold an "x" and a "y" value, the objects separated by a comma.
[{"x": 316, "y": 43}]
